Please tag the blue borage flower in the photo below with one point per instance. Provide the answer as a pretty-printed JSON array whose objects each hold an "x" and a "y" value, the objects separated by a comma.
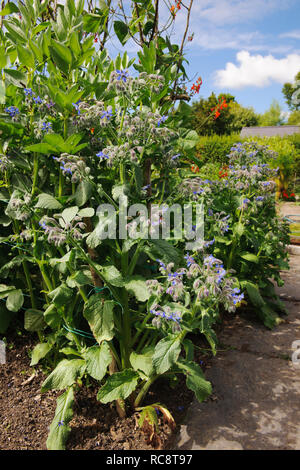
[
  {"x": 12, "y": 111},
  {"x": 210, "y": 260},
  {"x": 237, "y": 297},
  {"x": 106, "y": 114},
  {"x": 189, "y": 260},
  {"x": 245, "y": 203},
  {"x": 64, "y": 169},
  {"x": 259, "y": 198},
  {"x": 43, "y": 225},
  {"x": 175, "y": 156},
  {"x": 122, "y": 75},
  {"x": 162, "y": 265},
  {"x": 47, "y": 126},
  {"x": 173, "y": 316},
  {"x": 76, "y": 106},
  {"x": 162, "y": 119},
  {"x": 28, "y": 92},
  {"x": 102, "y": 155},
  {"x": 37, "y": 99},
  {"x": 209, "y": 243}
]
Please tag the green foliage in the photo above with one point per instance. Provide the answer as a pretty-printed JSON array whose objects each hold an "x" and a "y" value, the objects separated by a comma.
[
  {"x": 215, "y": 149},
  {"x": 79, "y": 130},
  {"x": 273, "y": 116},
  {"x": 294, "y": 118},
  {"x": 232, "y": 118},
  {"x": 289, "y": 90}
]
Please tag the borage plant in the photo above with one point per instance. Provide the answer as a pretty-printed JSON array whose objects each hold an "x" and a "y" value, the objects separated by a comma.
[{"x": 80, "y": 130}]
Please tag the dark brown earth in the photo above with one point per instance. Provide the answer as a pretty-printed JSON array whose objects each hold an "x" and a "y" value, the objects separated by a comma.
[{"x": 26, "y": 414}]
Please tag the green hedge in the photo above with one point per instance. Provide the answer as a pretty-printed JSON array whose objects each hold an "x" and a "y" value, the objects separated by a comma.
[{"x": 215, "y": 148}]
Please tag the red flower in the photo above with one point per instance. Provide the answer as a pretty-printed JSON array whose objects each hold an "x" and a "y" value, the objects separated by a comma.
[
  {"x": 92, "y": 130},
  {"x": 195, "y": 169},
  {"x": 196, "y": 86}
]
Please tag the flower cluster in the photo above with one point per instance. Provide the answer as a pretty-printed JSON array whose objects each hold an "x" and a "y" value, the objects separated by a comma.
[
  {"x": 58, "y": 233},
  {"x": 209, "y": 282},
  {"x": 217, "y": 109},
  {"x": 285, "y": 195},
  {"x": 196, "y": 86},
  {"x": 136, "y": 130},
  {"x": 122, "y": 83},
  {"x": 19, "y": 206},
  {"x": 166, "y": 313},
  {"x": 73, "y": 167},
  {"x": 174, "y": 9},
  {"x": 4, "y": 163},
  {"x": 32, "y": 97},
  {"x": 13, "y": 111},
  {"x": 90, "y": 114}
]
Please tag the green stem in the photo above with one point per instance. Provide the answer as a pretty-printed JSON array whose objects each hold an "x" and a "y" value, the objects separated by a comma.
[
  {"x": 35, "y": 173},
  {"x": 134, "y": 259},
  {"x": 25, "y": 269},
  {"x": 144, "y": 390}
]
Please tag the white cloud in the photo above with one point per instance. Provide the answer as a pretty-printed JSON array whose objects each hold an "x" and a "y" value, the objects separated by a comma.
[
  {"x": 257, "y": 70},
  {"x": 291, "y": 34}
]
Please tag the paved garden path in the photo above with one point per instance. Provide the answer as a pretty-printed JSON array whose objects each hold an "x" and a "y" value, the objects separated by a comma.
[{"x": 256, "y": 389}]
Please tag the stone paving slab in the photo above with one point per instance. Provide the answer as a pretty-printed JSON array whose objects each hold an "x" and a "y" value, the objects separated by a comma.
[{"x": 256, "y": 389}]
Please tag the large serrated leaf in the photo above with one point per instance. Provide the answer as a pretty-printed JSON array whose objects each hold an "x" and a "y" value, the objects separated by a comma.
[
  {"x": 98, "y": 359},
  {"x": 100, "y": 316},
  {"x": 195, "y": 379},
  {"x": 34, "y": 320},
  {"x": 166, "y": 353},
  {"x": 136, "y": 285},
  {"x": 46, "y": 201},
  {"x": 118, "y": 386},
  {"x": 64, "y": 375},
  {"x": 39, "y": 352}
]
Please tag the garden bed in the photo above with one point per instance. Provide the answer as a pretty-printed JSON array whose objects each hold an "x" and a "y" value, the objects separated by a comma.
[{"x": 27, "y": 414}]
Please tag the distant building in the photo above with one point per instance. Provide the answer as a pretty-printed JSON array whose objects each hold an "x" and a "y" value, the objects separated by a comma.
[{"x": 269, "y": 131}]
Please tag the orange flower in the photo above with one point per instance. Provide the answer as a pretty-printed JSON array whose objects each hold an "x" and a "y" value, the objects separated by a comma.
[
  {"x": 92, "y": 130},
  {"x": 196, "y": 86},
  {"x": 195, "y": 169},
  {"x": 172, "y": 10}
]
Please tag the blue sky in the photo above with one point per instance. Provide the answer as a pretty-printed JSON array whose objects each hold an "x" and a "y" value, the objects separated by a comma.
[{"x": 248, "y": 48}]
